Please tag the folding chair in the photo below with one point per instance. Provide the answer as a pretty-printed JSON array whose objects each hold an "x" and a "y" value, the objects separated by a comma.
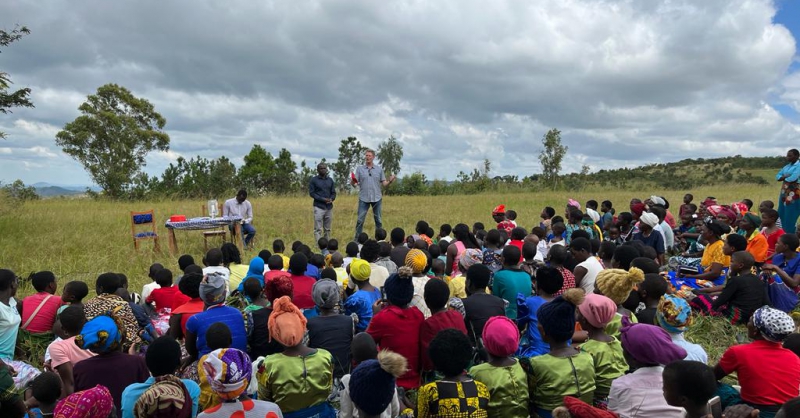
[{"x": 143, "y": 227}]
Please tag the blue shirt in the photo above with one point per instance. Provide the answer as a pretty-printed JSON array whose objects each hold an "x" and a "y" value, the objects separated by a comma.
[
  {"x": 526, "y": 310},
  {"x": 360, "y": 303},
  {"x": 134, "y": 391},
  {"x": 791, "y": 171},
  {"x": 322, "y": 188},
  {"x": 507, "y": 283},
  {"x": 199, "y": 323},
  {"x": 791, "y": 267},
  {"x": 369, "y": 183}
]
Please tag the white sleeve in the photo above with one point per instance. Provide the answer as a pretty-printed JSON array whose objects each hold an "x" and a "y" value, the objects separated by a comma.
[{"x": 346, "y": 407}]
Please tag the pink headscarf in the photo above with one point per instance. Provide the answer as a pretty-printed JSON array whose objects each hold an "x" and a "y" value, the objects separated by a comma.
[
  {"x": 739, "y": 207},
  {"x": 638, "y": 208},
  {"x": 89, "y": 403},
  {"x": 574, "y": 203},
  {"x": 598, "y": 310},
  {"x": 501, "y": 336}
]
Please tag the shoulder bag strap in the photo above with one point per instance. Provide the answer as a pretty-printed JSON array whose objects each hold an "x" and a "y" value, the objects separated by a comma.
[{"x": 36, "y": 311}]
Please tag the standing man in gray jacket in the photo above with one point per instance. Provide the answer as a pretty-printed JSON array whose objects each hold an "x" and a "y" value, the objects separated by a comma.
[{"x": 323, "y": 191}]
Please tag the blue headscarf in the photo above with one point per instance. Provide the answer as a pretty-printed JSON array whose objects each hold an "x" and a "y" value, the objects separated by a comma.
[
  {"x": 100, "y": 335},
  {"x": 256, "y": 271}
]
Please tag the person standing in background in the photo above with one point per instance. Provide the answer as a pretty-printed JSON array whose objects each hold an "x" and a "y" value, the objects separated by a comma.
[
  {"x": 788, "y": 203},
  {"x": 369, "y": 177},
  {"x": 323, "y": 191}
]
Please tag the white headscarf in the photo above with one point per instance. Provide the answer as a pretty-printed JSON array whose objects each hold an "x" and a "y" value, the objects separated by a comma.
[
  {"x": 650, "y": 219},
  {"x": 593, "y": 214},
  {"x": 657, "y": 200}
]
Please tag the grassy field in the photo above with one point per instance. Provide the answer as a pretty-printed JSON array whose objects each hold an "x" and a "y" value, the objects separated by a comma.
[{"x": 78, "y": 239}]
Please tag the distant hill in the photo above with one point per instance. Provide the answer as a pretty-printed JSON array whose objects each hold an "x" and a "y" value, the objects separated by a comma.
[{"x": 51, "y": 190}]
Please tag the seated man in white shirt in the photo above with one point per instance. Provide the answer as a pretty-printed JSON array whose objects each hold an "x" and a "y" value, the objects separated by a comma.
[{"x": 240, "y": 206}]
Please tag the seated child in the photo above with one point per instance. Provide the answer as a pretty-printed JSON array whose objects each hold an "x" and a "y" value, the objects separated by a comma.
[
  {"x": 594, "y": 314},
  {"x": 689, "y": 385},
  {"x": 360, "y": 302},
  {"x": 617, "y": 284},
  {"x": 742, "y": 295},
  {"x": 146, "y": 289},
  {"x": 274, "y": 267},
  {"x": 322, "y": 243},
  {"x": 254, "y": 294},
  {"x": 457, "y": 394},
  {"x": 436, "y": 295},
  {"x": 38, "y": 311},
  {"x": 502, "y": 374},
  {"x": 647, "y": 349},
  {"x": 370, "y": 389},
  {"x": 565, "y": 370},
  {"x": 675, "y": 316},
  {"x": 650, "y": 291},
  {"x": 63, "y": 352},
  {"x": 341, "y": 273},
  {"x": 46, "y": 391},
  {"x": 163, "y": 297},
  {"x": 549, "y": 281}
]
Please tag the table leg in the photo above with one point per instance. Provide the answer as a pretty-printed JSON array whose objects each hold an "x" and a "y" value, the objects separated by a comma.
[
  {"x": 237, "y": 236},
  {"x": 173, "y": 243}
]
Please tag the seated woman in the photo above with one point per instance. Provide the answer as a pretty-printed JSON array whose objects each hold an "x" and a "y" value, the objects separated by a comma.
[
  {"x": 300, "y": 378},
  {"x": 9, "y": 328},
  {"x": 785, "y": 263},
  {"x": 768, "y": 373},
  {"x": 649, "y": 236},
  {"x": 756, "y": 241},
  {"x": 714, "y": 261}
]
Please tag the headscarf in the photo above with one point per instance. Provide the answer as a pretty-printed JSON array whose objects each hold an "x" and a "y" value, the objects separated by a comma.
[
  {"x": 739, "y": 207},
  {"x": 752, "y": 219},
  {"x": 501, "y": 336},
  {"x": 637, "y": 208},
  {"x": 598, "y": 310},
  {"x": 574, "y": 203},
  {"x": 709, "y": 202},
  {"x": 399, "y": 287},
  {"x": 89, "y": 403},
  {"x": 213, "y": 289},
  {"x": 470, "y": 257},
  {"x": 593, "y": 214},
  {"x": 256, "y": 270},
  {"x": 286, "y": 324},
  {"x": 325, "y": 293},
  {"x": 649, "y": 344},
  {"x": 616, "y": 284},
  {"x": 773, "y": 324},
  {"x": 717, "y": 228},
  {"x": 417, "y": 260},
  {"x": 557, "y": 317},
  {"x": 228, "y": 372},
  {"x": 674, "y": 314},
  {"x": 167, "y": 398},
  {"x": 728, "y": 213},
  {"x": 372, "y": 382},
  {"x": 649, "y": 219},
  {"x": 657, "y": 200},
  {"x": 280, "y": 285},
  {"x": 102, "y": 334},
  {"x": 360, "y": 269},
  {"x": 499, "y": 210}
]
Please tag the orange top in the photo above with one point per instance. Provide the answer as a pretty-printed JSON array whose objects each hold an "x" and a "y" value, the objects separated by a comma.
[{"x": 757, "y": 246}]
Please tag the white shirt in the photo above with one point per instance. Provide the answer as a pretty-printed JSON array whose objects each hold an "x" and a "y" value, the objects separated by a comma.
[
  {"x": 232, "y": 207},
  {"x": 663, "y": 234},
  {"x": 542, "y": 248},
  {"x": 694, "y": 352},
  {"x": 419, "y": 295},
  {"x": 640, "y": 395},
  {"x": 669, "y": 234},
  {"x": 147, "y": 289},
  {"x": 592, "y": 267},
  {"x": 379, "y": 275},
  {"x": 223, "y": 271}
]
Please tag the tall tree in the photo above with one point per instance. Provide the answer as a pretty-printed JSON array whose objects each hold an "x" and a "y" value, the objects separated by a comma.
[
  {"x": 284, "y": 172},
  {"x": 113, "y": 136},
  {"x": 18, "y": 98},
  {"x": 351, "y": 153},
  {"x": 390, "y": 152},
  {"x": 551, "y": 156},
  {"x": 258, "y": 170}
]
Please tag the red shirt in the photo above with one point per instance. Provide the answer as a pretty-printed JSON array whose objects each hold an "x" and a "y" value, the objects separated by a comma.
[
  {"x": 569, "y": 280},
  {"x": 398, "y": 330},
  {"x": 517, "y": 243},
  {"x": 768, "y": 373},
  {"x": 302, "y": 291},
  {"x": 507, "y": 226},
  {"x": 432, "y": 326},
  {"x": 46, "y": 317},
  {"x": 179, "y": 299},
  {"x": 772, "y": 239},
  {"x": 163, "y": 297},
  {"x": 193, "y": 306}
]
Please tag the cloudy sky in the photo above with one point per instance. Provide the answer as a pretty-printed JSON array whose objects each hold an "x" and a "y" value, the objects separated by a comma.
[{"x": 627, "y": 82}]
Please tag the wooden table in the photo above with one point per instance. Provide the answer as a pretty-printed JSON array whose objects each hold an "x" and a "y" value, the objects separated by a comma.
[{"x": 203, "y": 224}]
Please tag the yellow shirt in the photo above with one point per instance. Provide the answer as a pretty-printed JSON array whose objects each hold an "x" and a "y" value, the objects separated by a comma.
[{"x": 713, "y": 254}]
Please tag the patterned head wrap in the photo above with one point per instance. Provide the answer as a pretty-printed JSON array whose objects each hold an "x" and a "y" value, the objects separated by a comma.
[
  {"x": 360, "y": 269},
  {"x": 286, "y": 324},
  {"x": 752, "y": 219},
  {"x": 649, "y": 219},
  {"x": 167, "y": 398},
  {"x": 598, "y": 310},
  {"x": 228, "y": 371},
  {"x": 280, "y": 285},
  {"x": 637, "y": 208},
  {"x": 89, "y": 403},
  {"x": 649, "y": 344},
  {"x": 417, "y": 260},
  {"x": 102, "y": 334},
  {"x": 213, "y": 289},
  {"x": 773, "y": 324},
  {"x": 709, "y": 202},
  {"x": 470, "y": 257},
  {"x": 325, "y": 293},
  {"x": 499, "y": 210},
  {"x": 501, "y": 336},
  {"x": 739, "y": 207},
  {"x": 674, "y": 314},
  {"x": 574, "y": 203},
  {"x": 714, "y": 210}
]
